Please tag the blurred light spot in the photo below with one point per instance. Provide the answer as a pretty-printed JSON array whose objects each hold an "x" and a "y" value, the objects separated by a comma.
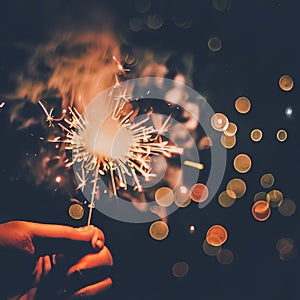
[
  {"x": 242, "y": 163},
  {"x": 274, "y": 198},
  {"x": 256, "y": 135},
  {"x": 193, "y": 164},
  {"x": 236, "y": 188},
  {"x": 243, "y": 105},
  {"x": 221, "y": 5},
  {"x": 192, "y": 229},
  {"x": 287, "y": 249},
  {"x": 261, "y": 210},
  {"x": 288, "y": 112},
  {"x": 2, "y": 104},
  {"x": 281, "y": 135},
  {"x": 219, "y": 122},
  {"x": 199, "y": 192},
  {"x": 260, "y": 196},
  {"x": 64, "y": 111},
  {"x": 180, "y": 269},
  {"x": 286, "y": 83},
  {"x": 182, "y": 197},
  {"x": 142, "y": 6},
  {"x": 214, "y": 44},
  {"x": 228, "y": 142},
  {"x": 136, "y": 24},
  {"x": 225, "y": 257},
  {"x": 231, "y": 129},
  {"x": 205, "y": 143},
  {"x": 164, "y": 196},
  {"x": 216, "y": 235},
  {"x": 209, "y": 249},
  {"x": 159, "y": 230},
  {"x": 154, "y": 21},
  {"x": 267, "y": 181},
  {"x": 76, "y": 211},
  {"x": 287, "y": 208},
  {"x": 225, "y": 200},
  {"x": 182, "y": 22},
  {"x": 58, "y": 179}
]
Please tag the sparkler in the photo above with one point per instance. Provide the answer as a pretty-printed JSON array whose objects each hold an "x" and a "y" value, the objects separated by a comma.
[{"x": 118, "y": 145}]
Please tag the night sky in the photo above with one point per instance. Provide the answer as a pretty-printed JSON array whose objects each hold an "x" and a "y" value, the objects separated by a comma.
[{"x": 260, "y": 43}]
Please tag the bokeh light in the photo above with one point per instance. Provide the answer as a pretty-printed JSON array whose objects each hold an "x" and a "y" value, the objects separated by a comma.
[
  {"x": 286, "y": 83},
  {"x": 236, "y": 188},
  {"x": 199, "y": 192},
  {"x": 216, "y": 235},
  {"x": 182, "y": 196},
  {"x": 225, "y": 200},
  {"x": 180, "y": 269},
  {"x": 209, "y": 249},
  {"x": 159, "y": 230},
  {"x": 154, "y": 21},
  {"x": 76, "y": 211},
  {"x": 289, "y": 112},
  {"x": 242, "y": 105},
  {"x": 228, "y": 142},
  {"x": 214, "y": 44},
  {"x": 261, "y": 210},
  {"x": 219, "y": 122},
  {"x": 164, "y": 196},
  {"x": 287, "y": 249},
  {"x": 242, "y": 163},
  {"x": 274, "y": 198},
  {"x": 267, "y": 180},
  {"x": 225, "y": 256},
  {"x": 281, "y": 135},
  {"x": 256, "y": 135},
  {"x": 287, "y": 208},
  {"x": 260, "y": 196},
  {"x": 231, "y": 129}
]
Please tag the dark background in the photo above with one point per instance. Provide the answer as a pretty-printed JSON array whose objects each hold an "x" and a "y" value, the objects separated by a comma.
[{"x": 260, "y": 44}]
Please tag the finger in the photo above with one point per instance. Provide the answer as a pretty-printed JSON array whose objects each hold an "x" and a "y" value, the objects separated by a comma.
[
  {"x": 47, "y": 265},
  {"x": 93, "y": 260},
  {"x": 92, "y": 290},
  {"x": 38, "y": 271},
  {"x": 90, "y": 234}
]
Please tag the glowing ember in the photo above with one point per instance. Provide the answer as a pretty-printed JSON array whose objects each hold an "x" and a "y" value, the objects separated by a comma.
[{"x": 58, "y": 179}]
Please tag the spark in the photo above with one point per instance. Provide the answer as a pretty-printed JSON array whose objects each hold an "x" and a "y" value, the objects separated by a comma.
[
  {"x": 58, "y": 179},
  {"x": 2, "y": 104},
  {"x": 193, "y": 164},
  {"x": 146, "y": 142}
]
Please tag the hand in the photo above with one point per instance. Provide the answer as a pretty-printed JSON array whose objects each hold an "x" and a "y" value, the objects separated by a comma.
[{"x": 31, "y": 252}]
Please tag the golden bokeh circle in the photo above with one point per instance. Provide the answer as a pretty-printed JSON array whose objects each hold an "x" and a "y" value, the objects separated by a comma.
[
  {"x": 287, "y": 249},
  {"x": 242, "y": 163},
  {"x": 236, "y": 188},
  {"x": 199, "y": 192},
  {"x": 281, "y": 135},
  {"x": 286, "y": 83},
  {"x": 76, "y": 211},
  {"x": 225, "y": 200},
  {"x": 225, "y": 256},
  {"x": 260, "y": 196},
  {"x": 242, "y": 105},
  {"x": 209, "y": 249},
  {"x": 256, "y": 135},
  {"x": 164, "y": 197},
  {"x": 159, "y": 230},
  {"x": 231, "y": 129},
  {"x": 182, "y": 197},
  {"x": 180, "y": 269},
  {"x": 267, "y": 180},
  {"x": 274, "y": 198},
  {"x": 287, "y": 208},
  {"x": 219, "y": 122},
  {"x": 216, "y": 235},
  {"x": 261, "y": 210},
  {"x": 228, "y": 142}
]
